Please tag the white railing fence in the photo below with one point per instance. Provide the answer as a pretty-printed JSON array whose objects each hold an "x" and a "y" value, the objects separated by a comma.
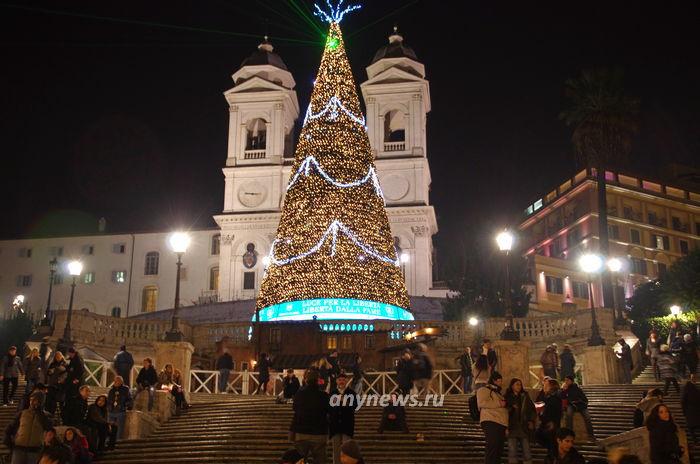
[
  {"x": 100, "y": 373},
  {"x": 379, "y": 383},
  {"x": 537, "y": 375}
]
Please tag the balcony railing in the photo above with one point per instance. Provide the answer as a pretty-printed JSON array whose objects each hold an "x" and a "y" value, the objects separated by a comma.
[
  {"x": 254, "y": 154},
  {"x": 394, "y": 146}
]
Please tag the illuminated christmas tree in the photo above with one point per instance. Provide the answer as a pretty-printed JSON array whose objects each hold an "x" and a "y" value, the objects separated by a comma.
[{"x": 334, "y": 255}]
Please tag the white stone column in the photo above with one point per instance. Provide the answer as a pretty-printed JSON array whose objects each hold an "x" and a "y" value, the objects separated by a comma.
[
  {"x": 225, "y": 290},
  {"x": 421, "y": 267}
]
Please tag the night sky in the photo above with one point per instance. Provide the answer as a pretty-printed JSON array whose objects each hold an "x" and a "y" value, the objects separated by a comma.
[{"x": 105, "y": 111}]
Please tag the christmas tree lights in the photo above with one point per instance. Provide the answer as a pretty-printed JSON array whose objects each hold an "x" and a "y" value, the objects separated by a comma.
[{"x": 334, "y": 252}]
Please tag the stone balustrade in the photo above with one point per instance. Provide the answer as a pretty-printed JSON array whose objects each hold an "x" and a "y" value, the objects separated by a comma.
[{"x": 93, "y": 329}]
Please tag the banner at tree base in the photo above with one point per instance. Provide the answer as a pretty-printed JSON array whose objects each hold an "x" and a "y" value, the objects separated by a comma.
[{"x": 333, "y": 309}]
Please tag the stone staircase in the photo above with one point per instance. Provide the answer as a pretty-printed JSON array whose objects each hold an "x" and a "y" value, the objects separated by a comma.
[
  {"x": 253, "y": 429},
  {"x": 236, "y": 429}
]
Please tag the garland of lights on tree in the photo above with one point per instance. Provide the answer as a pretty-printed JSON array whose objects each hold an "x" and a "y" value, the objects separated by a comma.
[{"x": 334, "y": 255}]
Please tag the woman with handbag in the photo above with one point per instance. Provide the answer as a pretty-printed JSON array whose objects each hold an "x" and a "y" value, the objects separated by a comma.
[{"x": 521, "y": 421}]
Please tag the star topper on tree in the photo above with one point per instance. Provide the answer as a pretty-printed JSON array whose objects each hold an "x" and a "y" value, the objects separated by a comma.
[{"x": 334, "y": 14}]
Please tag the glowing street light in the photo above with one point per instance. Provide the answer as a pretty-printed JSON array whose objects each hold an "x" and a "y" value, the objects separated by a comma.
[
  {"x": 615, "y": 264},
  {"x": 592, "y": 264},
  {"x": 179, "y": 242},
  {"x": 404, "y": 257},
  {"x": 18, "y": 303},
  {"x": 505, "y": 241},
  {"x": 675, "y": 310},
  {"x": 473, "y": 321}
]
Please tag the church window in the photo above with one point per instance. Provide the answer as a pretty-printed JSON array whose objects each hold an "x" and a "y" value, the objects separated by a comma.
[
  {"x": 214, "y": 278},
  {"x": 394, "y": 127},
  {"x": 216, "y": 244},
  {"x": 256, "y": 138},
  {"x": 249, "y": 281},
  {"x": 151, "y": 266},
  {"x": 116, "y": 311},
  {"x": 149, "y": 300}
]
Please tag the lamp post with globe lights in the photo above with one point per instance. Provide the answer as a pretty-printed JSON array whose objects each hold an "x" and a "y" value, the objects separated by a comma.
[
  {"x": 179, "y": 242},
  {"x": 75, "y": 268},
  {"x": 615, "y": 265},
  {"x": 592, "y": 264},
  {"x": 505, "y": 241},
  {"x": 46, "y": 321}
]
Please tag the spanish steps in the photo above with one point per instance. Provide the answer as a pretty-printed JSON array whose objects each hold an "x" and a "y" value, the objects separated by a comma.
[{"x": 253, "y": 429}]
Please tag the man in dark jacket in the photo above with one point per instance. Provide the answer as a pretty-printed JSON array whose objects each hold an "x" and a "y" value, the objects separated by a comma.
[
  {"x": 75, "y": 412},
  {"x": 118, "y": 401},
  {"x": 309, "y": 429},
  {"x": 576, "y": 401},
  {"x": 689, "y": 355},
  {"x": 26, "y": 433},
  {"x": 290, "y": 387},
  {"x": 10, "y": 369},
  {"x": 75, "y": 371},
  {"x": 625, "y": 357},
  {"x": 224, "y": 365},
  {"x": 491, "y": 356},
  {"x": 123, "y": 363},
  {"x": 404, "y": 372},
  {"x": 568, "y": 362},
  {"x": 550, "y": 362},
  {"x": 465, "y": 366},
  {"x": 341, "y": 418},
  {"x": 335, "y": 368},
  {"x": 44, "y": 350},
  {"x": 147, "y": 380},
  {"x": 565, "y": 453}
]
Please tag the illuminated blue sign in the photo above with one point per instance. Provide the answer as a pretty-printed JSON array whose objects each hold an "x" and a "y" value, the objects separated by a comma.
[{"x": 333, "y": 308}]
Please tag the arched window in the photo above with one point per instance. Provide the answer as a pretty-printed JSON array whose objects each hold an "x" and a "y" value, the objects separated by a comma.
[
  {"x": 214, "y": 278},
  {"x": 151, "y": 267},
  {"x": 116, "y": 311},
  {"x": 216, "y": 244},
  {"x": 149, "y": 300},
  {"x": 256, "y": 138},
  {"x": 394, "y": 127}
]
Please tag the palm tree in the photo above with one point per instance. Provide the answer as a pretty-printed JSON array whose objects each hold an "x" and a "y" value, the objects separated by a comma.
[{"x": 604, "y": 120}]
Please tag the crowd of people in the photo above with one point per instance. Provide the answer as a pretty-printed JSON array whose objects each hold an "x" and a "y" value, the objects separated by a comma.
[
  {"x": 55, "y": 394},
  {"x": 508, "y": 414}
]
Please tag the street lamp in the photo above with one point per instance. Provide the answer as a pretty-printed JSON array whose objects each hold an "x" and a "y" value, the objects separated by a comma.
[
  {"x": 473, "y": 321},
  {"x": 505, "y": 241},
  {"x": 75, "y": 268},
  {"x": 615, "y": 265},
  {"x": 46, "y": 321},
  {"x": 592, "y": 264},
  {"x": 675, "y": 310},
  {"x": 18, "y": 303},
  {"x": 179, "y": 241}
]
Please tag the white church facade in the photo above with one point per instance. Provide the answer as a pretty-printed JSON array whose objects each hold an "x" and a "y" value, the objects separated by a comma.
[{"x": 128, "y": 274}]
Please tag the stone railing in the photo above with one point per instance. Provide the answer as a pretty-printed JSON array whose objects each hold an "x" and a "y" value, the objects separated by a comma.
[
  {"x": 254, "y": 154},
  {"x": 576, "y": 324},
  {"x": 394, "y": 146},
  {"x": 208, "y": 334},
  {"x": 93, "y": 329}
]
